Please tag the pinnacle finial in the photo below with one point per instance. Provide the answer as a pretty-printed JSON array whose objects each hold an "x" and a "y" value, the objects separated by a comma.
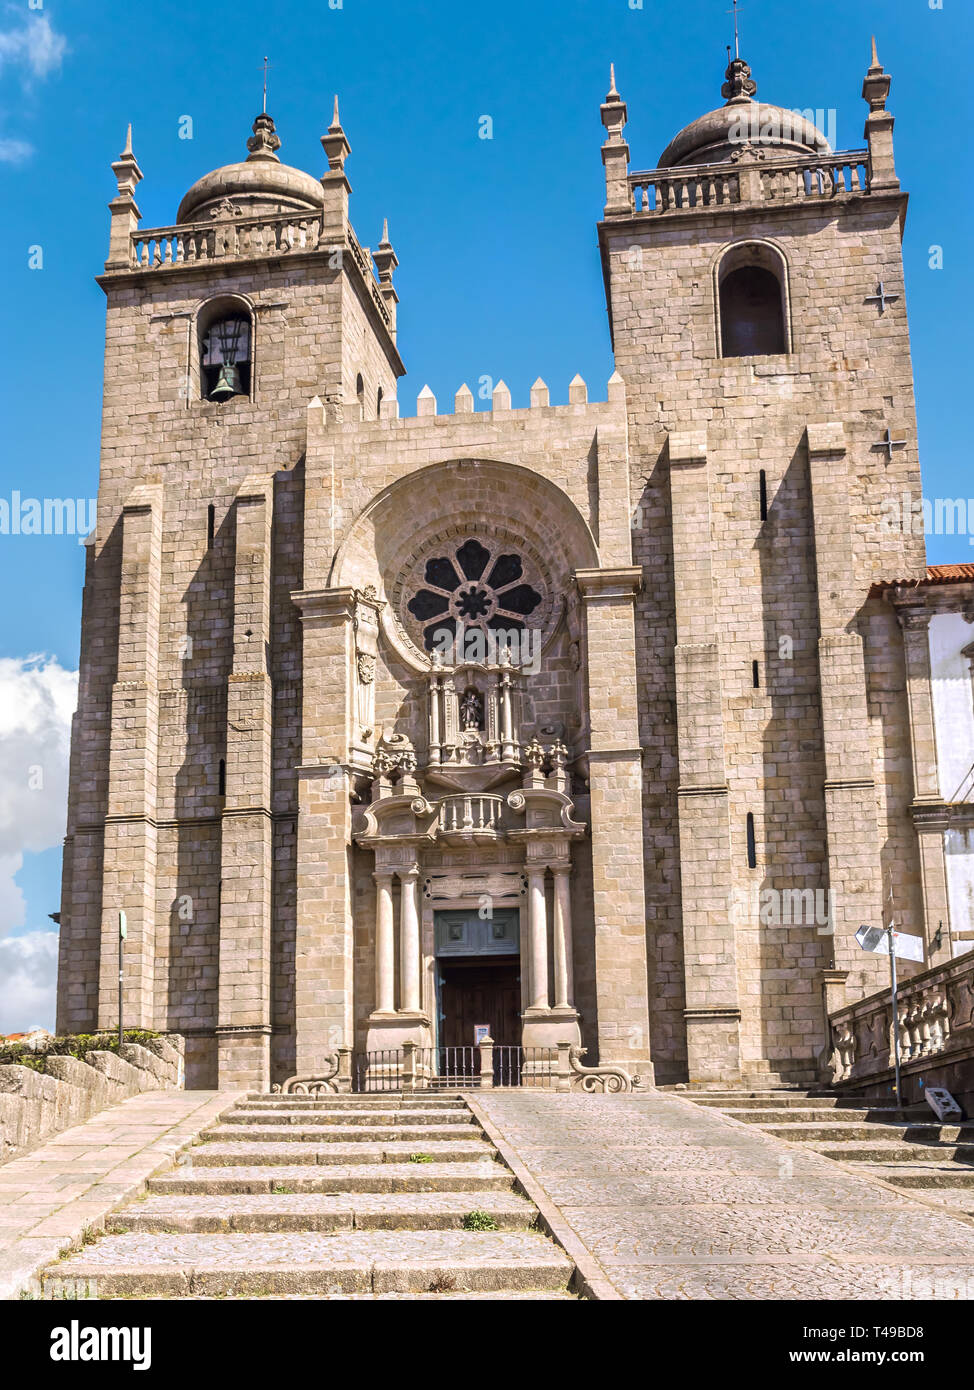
[
  {"x": 265, "y": 142},
  {"x": 126, "y": 168},
  {"x": 877, "y": 82},
  {"x": 335, "y": 143},
  {"x": 740, "y": 85},
  {"x": 384, "y": 257},
  {"x": 612, "y": 80}
]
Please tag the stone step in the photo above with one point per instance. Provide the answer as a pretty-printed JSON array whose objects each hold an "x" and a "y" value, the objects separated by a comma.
[
  {"x": 782, "y": 1093},
  {"x": 955, "y": 1201},
  {"x": 322, "y": 1211},
  {"x": 347, "y": 1118},
  {"x": 365, "y": 1177},
  {"x": 244, "y": 1265},
  {"x": 873, "y": 1152},
  {"x": 771, "y": 1100},
  {"x": 213, "y": 1155},
  {"x": 846, "y": 1132},
  {"x": 931, "y": 1175},
  {"x": 374, "y": 1100},
  {"x": 338, "y": 1134},
  {"x": 535, "y": 1295},
  {"x": 807, "y": 1115}
]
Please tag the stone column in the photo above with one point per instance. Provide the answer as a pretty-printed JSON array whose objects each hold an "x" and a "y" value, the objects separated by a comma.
[
  {"x": 324, "y": 959},
  {"x": 385, "y": 945},
  {"x": 538, "y": 933},
  {"x": 246, "y": 856},
  {"x": 129, "y": 874},
  {"x": 713, "y": 1007},
  {"x": 409, "y": 961},
  {"x": 851, "y": 823},
  {"x": 562, "y": 937},
  {"x": 929, "y": 810},
  {"x": 507, "y": 734},
  {"x": 616, "y": 785},
  {"x": 435, "y": 736}
]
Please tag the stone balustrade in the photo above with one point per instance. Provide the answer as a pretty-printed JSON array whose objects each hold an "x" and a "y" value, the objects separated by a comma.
[
  {"x": 471, "y": 813},
  {"x": 245, "y": 238},
  {"x": 935, "y": 1017},
  {"x": 235, "y": 238},
  {"x": 692, "y": 188}
]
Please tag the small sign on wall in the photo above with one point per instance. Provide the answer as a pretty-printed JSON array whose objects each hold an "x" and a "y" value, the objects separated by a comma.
[{"x": 480, "y": 1032}]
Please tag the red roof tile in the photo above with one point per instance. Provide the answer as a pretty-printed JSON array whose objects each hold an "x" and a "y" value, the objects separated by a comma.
[{"x": 935, "y": 574}]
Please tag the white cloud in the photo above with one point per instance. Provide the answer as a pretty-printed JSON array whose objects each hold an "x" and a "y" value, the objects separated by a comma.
[
  {"x": 14, "y": 151},
  {"x": 37, "y": 698},
  {"x": 35, "y": 47},
  {"x": 28, "y": 978}
]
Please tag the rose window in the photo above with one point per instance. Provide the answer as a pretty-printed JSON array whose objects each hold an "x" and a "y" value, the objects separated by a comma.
[{"x": 475, "y": 585}]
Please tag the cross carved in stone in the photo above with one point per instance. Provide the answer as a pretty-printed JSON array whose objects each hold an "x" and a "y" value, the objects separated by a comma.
[
  {"x": 889, "y": 444},
  {"x": 881, "y": 297}
]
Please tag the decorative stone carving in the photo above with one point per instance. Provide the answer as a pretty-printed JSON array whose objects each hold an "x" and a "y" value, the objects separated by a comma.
[
  {"x": 228, "y": 208},
  {"x": 739, "y": 85},
  {"x": 494, "y": 884},
  {"x": 365, "y": 622},
  {"x": 608, "y": 1080},
  {"x": 265, "y": 142},
  {"x": 474, "y": 723},
  {"x": 472, "y": 593},
  {"x": 471, "y": 710},
  {"x": 334, "y": 1078}
]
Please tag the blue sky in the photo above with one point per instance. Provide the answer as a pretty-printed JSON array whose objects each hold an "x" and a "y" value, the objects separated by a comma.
[{"x": 499, "y": 272}]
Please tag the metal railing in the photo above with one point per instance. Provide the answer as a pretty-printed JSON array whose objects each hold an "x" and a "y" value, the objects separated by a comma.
[
  {"x": 378, "y": 1071},
  {"x": 484, "y": 1065},
  {"x": 488, "y": 1064}
]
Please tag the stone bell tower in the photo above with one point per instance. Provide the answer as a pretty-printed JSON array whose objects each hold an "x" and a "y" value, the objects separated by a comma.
[
  {"x": 220, "y": 330},
  {"x": 754, "y": 281}
]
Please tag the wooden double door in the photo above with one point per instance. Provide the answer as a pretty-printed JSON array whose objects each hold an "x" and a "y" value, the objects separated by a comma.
[{"x": 474, "y": 992}]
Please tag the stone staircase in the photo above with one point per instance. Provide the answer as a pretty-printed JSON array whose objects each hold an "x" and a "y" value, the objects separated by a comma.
[
  {"x": 347, "y": 1196},
  {"x": 907, "y": 1151}
]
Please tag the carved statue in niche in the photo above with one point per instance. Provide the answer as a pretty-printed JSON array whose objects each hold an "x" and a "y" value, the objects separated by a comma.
[{"x": 471, "y": 710}]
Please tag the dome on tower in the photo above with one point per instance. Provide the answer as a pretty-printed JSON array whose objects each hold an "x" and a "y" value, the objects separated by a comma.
[
  {"x": 258, "y": 184},
  {"x": 741, "y": 121}
]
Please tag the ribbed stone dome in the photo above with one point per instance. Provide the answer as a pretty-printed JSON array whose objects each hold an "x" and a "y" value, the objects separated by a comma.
[
  {"x": 258, "y": 184},
  {"x": 717, "y": 135}
]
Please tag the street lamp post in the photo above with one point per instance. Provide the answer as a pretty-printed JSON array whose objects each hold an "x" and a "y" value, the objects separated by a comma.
[{"x": 122, "y": 933}]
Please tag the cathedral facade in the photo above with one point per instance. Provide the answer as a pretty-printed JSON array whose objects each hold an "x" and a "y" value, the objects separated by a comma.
[{"x": 594, "y": 723}]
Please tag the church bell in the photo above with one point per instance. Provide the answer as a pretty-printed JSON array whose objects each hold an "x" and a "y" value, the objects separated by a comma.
[
  {"x": 227, "y": 383},
  {"x": 226, "y": 345}
]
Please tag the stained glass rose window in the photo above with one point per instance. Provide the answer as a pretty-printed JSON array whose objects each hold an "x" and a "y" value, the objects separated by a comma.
[{"x": 475, "y": 585}]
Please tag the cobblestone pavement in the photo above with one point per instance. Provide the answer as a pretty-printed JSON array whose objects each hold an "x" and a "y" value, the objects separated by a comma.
[
  {"x": 51, "y": 1195},
  {"x": 677, "y": 1202}
]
